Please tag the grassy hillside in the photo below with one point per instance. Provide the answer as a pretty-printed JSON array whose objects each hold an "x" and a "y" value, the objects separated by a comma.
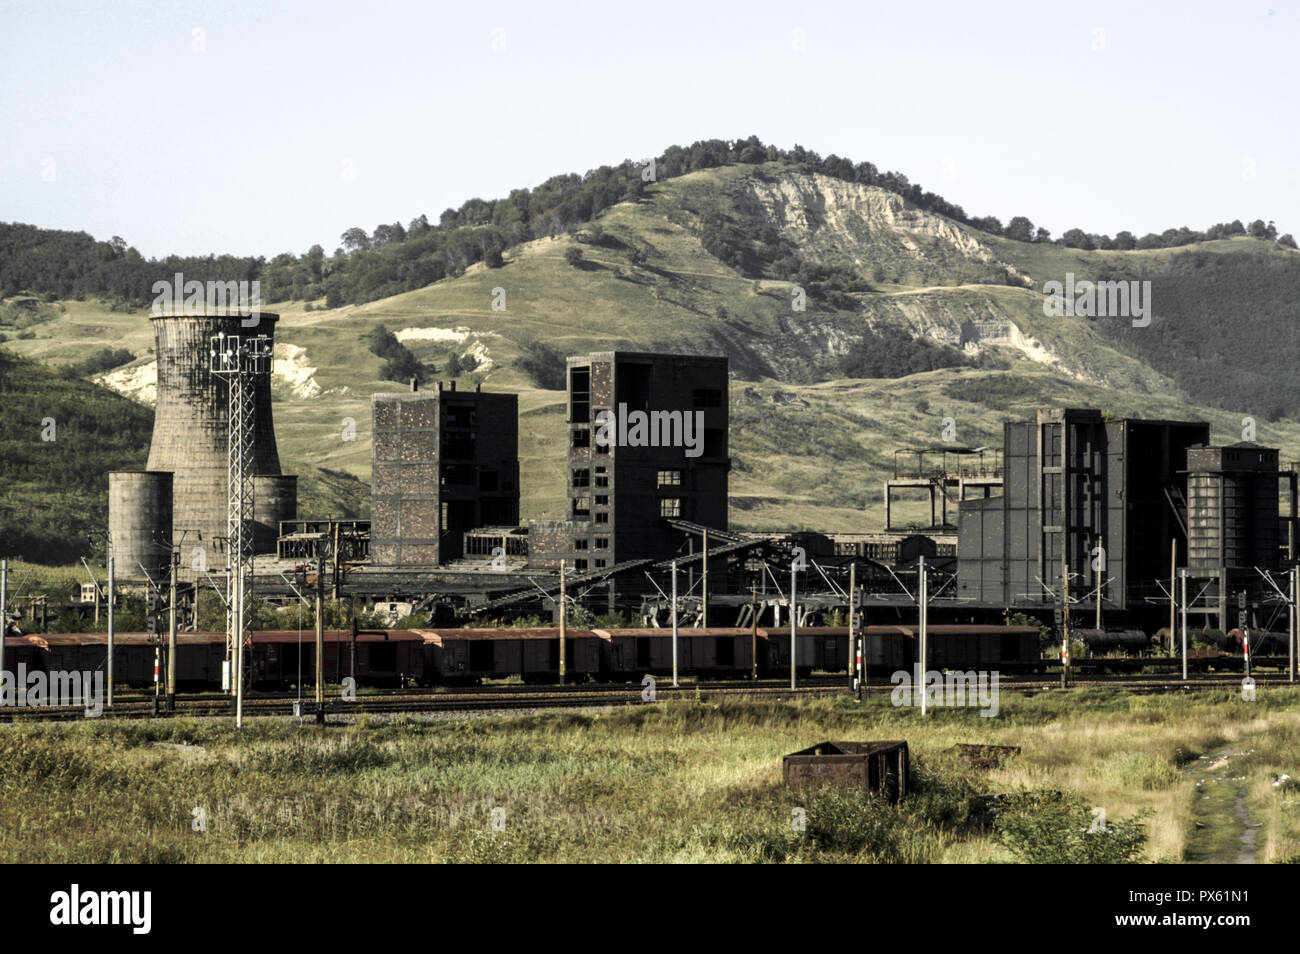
[
  {"x": 679, "y": 270},
  {"x": 59, "y": 438}
]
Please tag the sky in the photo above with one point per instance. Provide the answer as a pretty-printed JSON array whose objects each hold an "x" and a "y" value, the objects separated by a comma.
[{"x": 259, "y": 128}]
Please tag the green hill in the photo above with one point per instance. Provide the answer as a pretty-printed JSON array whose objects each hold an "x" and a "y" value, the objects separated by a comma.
[
  {"x": 909, "y": 317},
  {"x": 59, "y": 438}
]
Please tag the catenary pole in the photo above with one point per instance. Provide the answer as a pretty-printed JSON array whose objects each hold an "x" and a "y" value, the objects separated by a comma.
[
  {"x": 794, "y": 620},
  {"x": 320, "y": 632},
  {"x": 923, "y": 596},
  {"x": 4, "y": 617},
  {"x": 1183, "y": 575},
  {"x": 112, "y": 580},
  {"x": 564, "y": 617},
  {"x": 674, "y": 624},
  {"x": 171, "y": 630}
]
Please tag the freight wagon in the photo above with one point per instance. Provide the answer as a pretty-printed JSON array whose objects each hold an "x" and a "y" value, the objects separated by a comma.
[
  {"x": 890, "y": 648},
  {"x": 719, "y": 652},
  {"x": 382, "y": 657},
  {"x": 463, "y": 655}
]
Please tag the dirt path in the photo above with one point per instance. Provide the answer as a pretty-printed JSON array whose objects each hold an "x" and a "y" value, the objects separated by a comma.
[{"x": 1225, "y": 832}]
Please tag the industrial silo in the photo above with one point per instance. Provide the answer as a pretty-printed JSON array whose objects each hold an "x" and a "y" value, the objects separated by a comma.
[
  {"x": 140, "y": 522},
  {"x": 275, "y": 498},
  {"x": 1232, "y": 507},
  {"x": 190, "y": 431}
]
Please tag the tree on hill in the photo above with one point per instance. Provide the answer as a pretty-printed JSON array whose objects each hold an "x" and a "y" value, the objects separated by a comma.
[
  {"x": 1077, "y": 238},
  {"x": 1020, "y": 229}
]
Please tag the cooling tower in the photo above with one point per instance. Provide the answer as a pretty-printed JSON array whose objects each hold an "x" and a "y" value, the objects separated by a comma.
[
  {"x": 140, "y": 522},
  {"x": 190, "y": 431}
]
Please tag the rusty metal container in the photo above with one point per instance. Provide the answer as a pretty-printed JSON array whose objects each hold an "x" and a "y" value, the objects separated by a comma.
[{"x": 877, "y": 766}]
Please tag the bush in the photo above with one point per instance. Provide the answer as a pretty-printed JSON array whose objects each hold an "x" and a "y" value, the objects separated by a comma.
[
  {"x": 105, "y": 359},
  {"x": 545, "y": 365},
  {"x": 1060, "y": 828},
  {"x": 399, "y": 363}
]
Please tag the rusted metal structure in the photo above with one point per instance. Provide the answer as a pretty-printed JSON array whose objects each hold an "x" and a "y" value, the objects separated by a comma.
[{"x": 876, "y": 766}]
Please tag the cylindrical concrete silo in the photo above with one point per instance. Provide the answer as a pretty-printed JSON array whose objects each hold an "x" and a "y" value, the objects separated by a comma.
[
  {"x": 140, "y": 522},
  {"x": 275, "y": 498},
  {"x": 190, "y": 430}
]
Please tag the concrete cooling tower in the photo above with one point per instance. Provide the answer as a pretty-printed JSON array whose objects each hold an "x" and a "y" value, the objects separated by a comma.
[{"x": 190, "y": 435}]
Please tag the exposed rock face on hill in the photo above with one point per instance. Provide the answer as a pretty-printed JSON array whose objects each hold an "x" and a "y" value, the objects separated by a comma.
[{"x": 871, "y": 229}]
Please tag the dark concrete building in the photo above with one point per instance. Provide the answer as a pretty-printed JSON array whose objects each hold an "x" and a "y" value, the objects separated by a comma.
[
  {"x": 1075, "y": 481},
  {"x": 444, "y": 462},
  {"x": 647, "y": 442},
  {"x": 1232, "y": 506}
]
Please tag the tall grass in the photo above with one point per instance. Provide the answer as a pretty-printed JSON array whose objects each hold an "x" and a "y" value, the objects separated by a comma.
[{"x": 677, "y": 781}]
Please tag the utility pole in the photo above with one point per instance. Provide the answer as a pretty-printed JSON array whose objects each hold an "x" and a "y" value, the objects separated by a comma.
[
  {"x": 704, "y": 582},
  {"x": 855, "y": 651},
  {"x": 320, "y": 632},
  {"x": 564, "y": 616},
  {"x": 1173, "y": 591},
  {"x": 4, "y": 622},
  {"x": 112, "y": 579},
  {"x": 923, "y": 594},
  {"x": 1183, "y": 574},
  {"x": 334, "y": 550},
  {"x": 1096, "y": 577},
  {"x": 753, "y": 630},
  {"x": 1065, "y": 626},
  {"x": 171, "y": 630},
  {"x": 152, "y": 608},
  {"x": 674, "y": 624},
  {"x": 1291, "y": 640},
  {"x": 794, "y": 622}
]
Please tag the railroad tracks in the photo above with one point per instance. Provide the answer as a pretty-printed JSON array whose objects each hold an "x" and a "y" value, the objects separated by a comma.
[{"x": 532, "y": 698}]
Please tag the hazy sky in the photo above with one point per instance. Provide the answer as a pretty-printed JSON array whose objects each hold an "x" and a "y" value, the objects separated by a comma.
[{"x": 276, "y": 126}]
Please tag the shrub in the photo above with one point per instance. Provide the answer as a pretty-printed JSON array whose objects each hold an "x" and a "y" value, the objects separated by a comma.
[{"x": 1060, "y": 828}]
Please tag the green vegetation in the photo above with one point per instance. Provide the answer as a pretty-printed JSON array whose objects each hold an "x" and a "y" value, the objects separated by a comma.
[
  {"x": 399, "y": 363},
  {"x": 59, "y": 438},
  {"x": 106, "y": 359},
  {"x": 395, "y": 258},
  {"x": 669, "y": 782},
  {"x": 908, "y": 318},
  {"x": 1225, "y": 327}
]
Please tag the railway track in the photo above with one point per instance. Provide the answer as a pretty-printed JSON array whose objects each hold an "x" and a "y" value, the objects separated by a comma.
[{"x": 508, "y": 698}]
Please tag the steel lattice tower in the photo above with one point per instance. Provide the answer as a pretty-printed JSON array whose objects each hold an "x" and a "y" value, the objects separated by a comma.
[{"x": 240, "y": 362}]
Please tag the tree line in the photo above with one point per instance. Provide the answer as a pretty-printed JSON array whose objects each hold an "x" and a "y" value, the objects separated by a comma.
[{"x": 393, "y": 258}]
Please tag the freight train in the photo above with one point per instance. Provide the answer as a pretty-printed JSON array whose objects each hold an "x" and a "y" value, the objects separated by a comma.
[{"x": 437, "y": 656}]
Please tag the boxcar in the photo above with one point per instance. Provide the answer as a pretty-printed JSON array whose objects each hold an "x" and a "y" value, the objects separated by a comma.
[
  {"x": 461, "y": 655},
  {"x": 890, "y": 648},
  {"x": 383, "y": 657},
  {"x": 715, "y": 651}
]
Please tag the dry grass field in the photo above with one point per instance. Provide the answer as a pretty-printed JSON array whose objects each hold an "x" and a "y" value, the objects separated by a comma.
[{"x": 1179, "y": 779}]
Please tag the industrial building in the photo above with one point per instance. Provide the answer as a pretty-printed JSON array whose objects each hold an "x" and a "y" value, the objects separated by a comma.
[
  {"x": 1079, "y": 487},
  {"x": 1232, "y": 507},
  {"x": 180, "y": 499},
  {"x": 625, "y": 485},
  {"x": 443, "y": 463}
]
